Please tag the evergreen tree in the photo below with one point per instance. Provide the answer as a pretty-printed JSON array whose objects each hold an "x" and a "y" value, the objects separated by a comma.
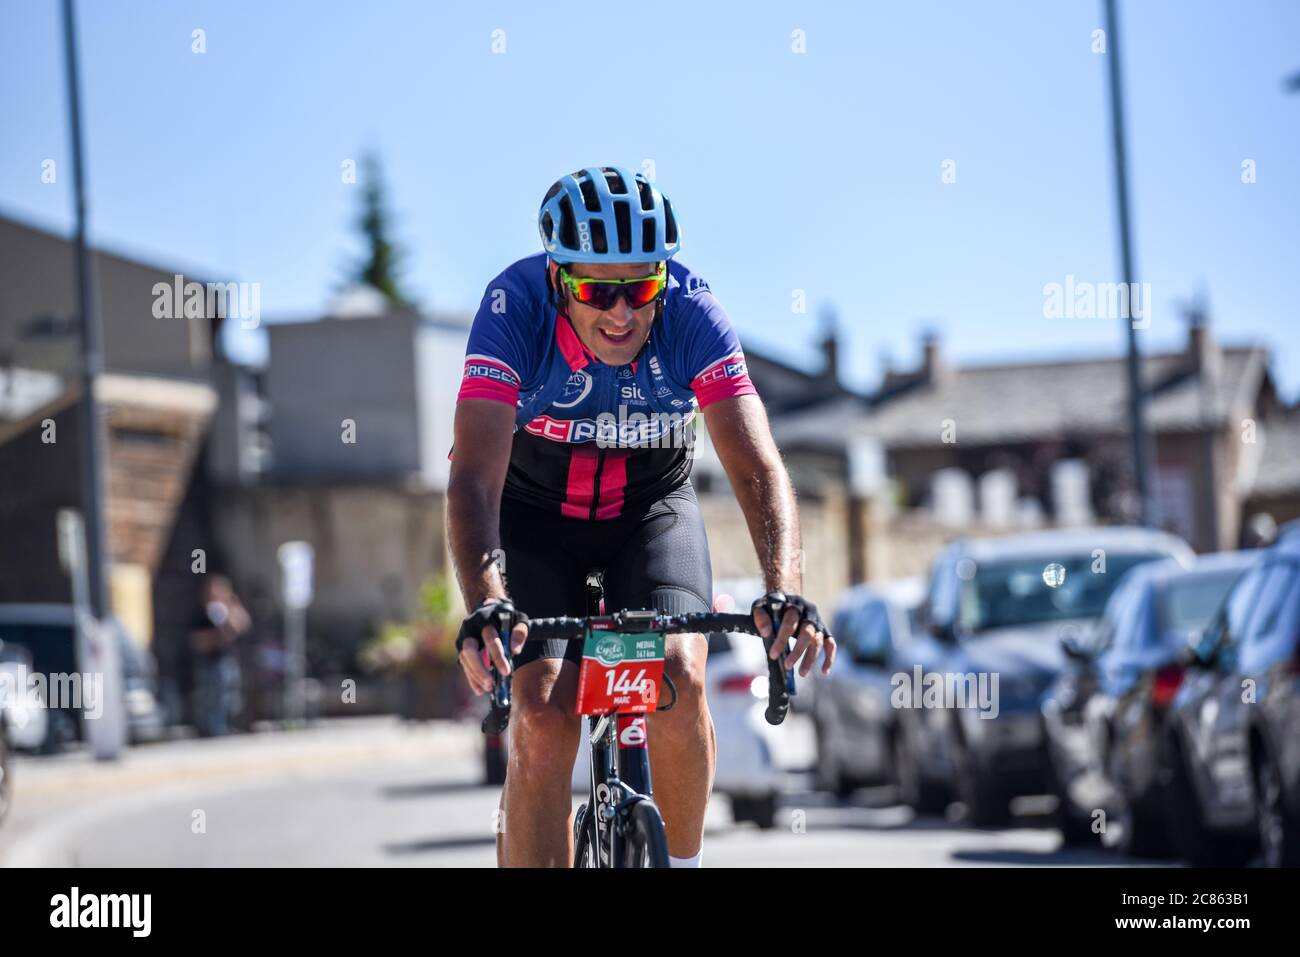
[{"x": 380, "y": 267}]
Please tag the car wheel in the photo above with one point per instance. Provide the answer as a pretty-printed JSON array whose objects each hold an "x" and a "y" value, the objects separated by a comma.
[
  {"x": 1139, "y": 820},
  {"x": 6, "y": 781},
  {"x": 986, "y": 804},
  {"x": 827, "y": 774},
  {"x": 922, "y": 796},
  {"x": 762, "y": 811},
  {"x": 1190, "y": 838},
  {"x": 1279, "y": 834},
  {"x": 1076, "y": 829},
  {"x": 494, "y": 760}
]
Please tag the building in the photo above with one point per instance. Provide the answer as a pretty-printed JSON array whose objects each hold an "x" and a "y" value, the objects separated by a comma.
[{"x": 158, "y": 402}]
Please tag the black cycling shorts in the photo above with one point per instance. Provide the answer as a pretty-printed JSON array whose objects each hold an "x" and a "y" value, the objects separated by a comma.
[{"x": 655, "y": 555}]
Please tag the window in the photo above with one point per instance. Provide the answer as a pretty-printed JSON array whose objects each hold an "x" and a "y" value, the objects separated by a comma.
[
  {"x": 869, "y": 631},
  {"x": 1241, "y": 602},
  {"x": 1276, "y": 588}
]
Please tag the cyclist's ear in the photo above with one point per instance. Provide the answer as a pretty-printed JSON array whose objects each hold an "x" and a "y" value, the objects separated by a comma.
[{"x": 559, "y": 297}]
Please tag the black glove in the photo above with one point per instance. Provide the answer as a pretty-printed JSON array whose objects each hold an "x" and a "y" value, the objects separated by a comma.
[
  {"x": 499, "y": 612},
  {"x": 775, "y": 604}
]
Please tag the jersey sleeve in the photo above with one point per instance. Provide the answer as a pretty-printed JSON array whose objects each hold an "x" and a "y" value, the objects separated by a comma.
[
  {"x": 711, "y": 360},
  {"x": 497, "y": 357}
]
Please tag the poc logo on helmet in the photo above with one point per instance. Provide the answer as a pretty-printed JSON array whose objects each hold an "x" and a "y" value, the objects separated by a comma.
[{"x": 584, "y": 236}]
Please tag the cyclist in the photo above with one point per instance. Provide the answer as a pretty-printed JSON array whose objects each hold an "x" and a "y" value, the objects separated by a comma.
[{"x": 585, "y": 367}]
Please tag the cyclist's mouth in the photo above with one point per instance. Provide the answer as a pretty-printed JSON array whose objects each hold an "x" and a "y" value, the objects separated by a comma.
[{"x": 617, "y": 338}]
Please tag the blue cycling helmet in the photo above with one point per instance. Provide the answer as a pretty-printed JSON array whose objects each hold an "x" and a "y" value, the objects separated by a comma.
[{"x": 607, "y": 214}]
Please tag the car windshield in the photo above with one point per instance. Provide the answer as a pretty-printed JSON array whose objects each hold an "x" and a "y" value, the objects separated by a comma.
[
  {"x": 1190, "y": 603},
  {"x": 1003, "y": 594}
]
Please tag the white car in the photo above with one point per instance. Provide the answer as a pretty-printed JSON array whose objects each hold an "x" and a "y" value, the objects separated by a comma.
[
  {"x": 748, "y": 771},
  {"x": 22, "y": 707}
]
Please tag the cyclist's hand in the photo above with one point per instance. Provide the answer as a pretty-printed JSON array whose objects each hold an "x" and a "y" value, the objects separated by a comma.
[
  {"x": 480, "y": 642},
  {"x": 800, "y": 621}
]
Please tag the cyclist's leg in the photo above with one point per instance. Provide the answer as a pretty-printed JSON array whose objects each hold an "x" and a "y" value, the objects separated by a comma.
[
  {"x": 537, "y": 800},
  {"x": 544, "y": 577},
  {"x": 664, "y": 564}
]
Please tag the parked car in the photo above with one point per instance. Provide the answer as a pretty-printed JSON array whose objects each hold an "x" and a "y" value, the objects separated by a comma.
[
  {"x": 25, "y": 711},
  {"x": 6, "y": 780},
  {"x": 855, "y": 723},
  {"x": 48, "y": 633},
  {"x": 1105, "y": 714},
  {"x": 1233, "y": 746},
  {"x": 994, "y": 614}
]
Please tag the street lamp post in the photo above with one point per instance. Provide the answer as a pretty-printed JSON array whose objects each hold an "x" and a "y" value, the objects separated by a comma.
[
  {"x": 92, "y": 360},
  {"x": 1136, "y": 399}
]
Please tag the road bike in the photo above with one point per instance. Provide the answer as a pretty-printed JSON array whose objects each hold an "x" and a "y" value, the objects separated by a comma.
[{"x": 622, "y": 676}]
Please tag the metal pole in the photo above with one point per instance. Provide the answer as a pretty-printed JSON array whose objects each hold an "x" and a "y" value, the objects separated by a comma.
[
  {"x": 92, "y": 453},
  {"x": 1136, "y": 399},
  {"x": 295, "y": 670}
]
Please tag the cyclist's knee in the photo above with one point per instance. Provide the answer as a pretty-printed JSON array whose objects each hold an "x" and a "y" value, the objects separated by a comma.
[
  {"x": 685, "y": 666},
  {"x": 543, "y": 738}
]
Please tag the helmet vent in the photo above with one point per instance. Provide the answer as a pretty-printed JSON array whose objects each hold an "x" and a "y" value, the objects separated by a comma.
[
  {"x": 670, "y": 224},
  {"x": 568, "y": 231},
  {"x": 623, "y": 219},
  {"x": 615, "y": 181},
  {"x": 589, "y": 197},
  {"x": 598, "y": 241},
  {"x": 647, "y": 235},
  {"x": 647, "y": 196}
]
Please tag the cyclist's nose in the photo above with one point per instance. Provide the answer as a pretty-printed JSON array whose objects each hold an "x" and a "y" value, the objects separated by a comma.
[{"x": 622, "y": 313}]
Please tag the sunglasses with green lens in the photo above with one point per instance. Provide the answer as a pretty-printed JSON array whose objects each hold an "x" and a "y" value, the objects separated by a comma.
[{"x": 603, "y": 294}]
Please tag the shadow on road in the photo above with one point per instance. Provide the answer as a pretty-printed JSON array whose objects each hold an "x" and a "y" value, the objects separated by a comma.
[
  {"x": 432, "y": 845},
  {"x": 426, "y": 789}
]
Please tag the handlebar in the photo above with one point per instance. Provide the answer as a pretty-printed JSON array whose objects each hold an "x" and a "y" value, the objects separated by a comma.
[{"x": 780, "y": 684}]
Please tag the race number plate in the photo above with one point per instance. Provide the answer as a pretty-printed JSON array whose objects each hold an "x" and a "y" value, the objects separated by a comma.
[{"x": 620, "y": 673}]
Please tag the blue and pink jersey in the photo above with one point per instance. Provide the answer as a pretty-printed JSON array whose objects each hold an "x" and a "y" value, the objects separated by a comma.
[{"x": 592, "y": 439}]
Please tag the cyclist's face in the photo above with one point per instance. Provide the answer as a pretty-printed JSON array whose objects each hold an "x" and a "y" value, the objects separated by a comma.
[{"x": 615, "y": 335}]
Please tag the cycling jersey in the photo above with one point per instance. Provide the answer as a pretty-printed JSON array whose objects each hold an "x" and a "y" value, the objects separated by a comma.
[{"x": 591, "y": 439}]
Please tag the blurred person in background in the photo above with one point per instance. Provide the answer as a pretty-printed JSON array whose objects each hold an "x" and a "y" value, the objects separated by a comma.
[{"x": 214, "y": 636}]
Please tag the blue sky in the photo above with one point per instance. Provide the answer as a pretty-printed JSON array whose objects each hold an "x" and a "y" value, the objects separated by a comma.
[{"x": 818, "y": 171}]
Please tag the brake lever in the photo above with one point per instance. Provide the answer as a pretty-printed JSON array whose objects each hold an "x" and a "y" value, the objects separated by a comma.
[
  {"x": 776, "y": 667},
  {"x": 498, "y": 715}
]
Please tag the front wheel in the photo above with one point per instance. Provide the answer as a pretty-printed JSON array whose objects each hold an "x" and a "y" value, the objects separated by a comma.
[
  {"x": 584, "y": 846},
  {"x": 647, "y": 841}
]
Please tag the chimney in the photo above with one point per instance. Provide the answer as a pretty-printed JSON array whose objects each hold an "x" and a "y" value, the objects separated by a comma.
[
  {"x": 830, "y": 346},
  {"x": 933, "y": 367},
  {"x": 1202, "y": 349}
]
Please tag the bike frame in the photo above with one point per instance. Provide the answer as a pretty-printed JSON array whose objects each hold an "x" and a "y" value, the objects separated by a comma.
[
  {"x": 620, "y": 766},
  {"x": 620, "y": 777}
]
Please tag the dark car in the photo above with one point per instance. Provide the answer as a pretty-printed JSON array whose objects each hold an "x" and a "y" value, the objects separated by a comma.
[
  {"x": 6, "y": 782},
  {"x": 48, "y": 633},
  {"x": 1233, "y": 746},
  {"x": 995, "y": 613},
  {"x": 854, "y": 722},
  {"x": 1105, "y": 715}
]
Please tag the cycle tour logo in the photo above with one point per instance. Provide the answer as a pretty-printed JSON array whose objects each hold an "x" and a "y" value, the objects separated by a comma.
[{"x": 610, "y": 651}]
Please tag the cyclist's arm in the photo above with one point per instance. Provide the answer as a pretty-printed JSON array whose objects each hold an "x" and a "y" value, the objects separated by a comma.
[
  {"x": 740, "y": 434},
  {"x": 484, "y": 431}
]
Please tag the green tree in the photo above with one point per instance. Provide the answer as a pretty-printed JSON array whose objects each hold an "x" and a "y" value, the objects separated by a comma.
[{"x": 381, "y": 265}]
